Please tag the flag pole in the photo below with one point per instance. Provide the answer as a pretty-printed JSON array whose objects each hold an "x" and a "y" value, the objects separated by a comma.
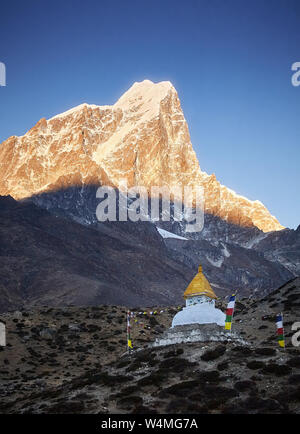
[
  {"x": 280, "y": 336},
  {"x": 283, "y": 331},
  {"x": 129, "y": 344}
]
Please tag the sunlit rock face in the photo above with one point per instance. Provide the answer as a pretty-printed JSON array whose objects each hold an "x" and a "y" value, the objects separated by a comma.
[
  {"x": 143, "y": 138},
  {"x": 199, "y": 310}
]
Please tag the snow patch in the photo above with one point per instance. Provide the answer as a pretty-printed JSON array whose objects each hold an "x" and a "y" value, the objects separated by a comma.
[
  {"x": 225, "y": 251},
  {"x": 255, "y": 240},
  {"x": 167, "y": 234},
  {"x": 218, "y": 263}
]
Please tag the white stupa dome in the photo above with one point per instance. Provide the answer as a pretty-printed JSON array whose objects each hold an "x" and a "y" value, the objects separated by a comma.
[{"x": 200, "y": 304}]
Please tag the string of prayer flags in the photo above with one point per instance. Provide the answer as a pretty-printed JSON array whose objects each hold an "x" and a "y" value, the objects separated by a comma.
[{"x": 133, "y": 315}]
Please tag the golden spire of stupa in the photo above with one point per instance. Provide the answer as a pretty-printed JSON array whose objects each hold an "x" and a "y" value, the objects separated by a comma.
[{"x": 199, "y": 286}]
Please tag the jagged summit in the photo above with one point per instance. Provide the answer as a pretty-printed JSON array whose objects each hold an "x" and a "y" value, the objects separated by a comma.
[
  {"x": 143, "y": 137},
  {"x": 152, "y": 93},
  {"x": 74, "y": 110}
]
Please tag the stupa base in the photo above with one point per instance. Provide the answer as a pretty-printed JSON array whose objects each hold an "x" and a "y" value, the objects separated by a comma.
[{"x": 197, "y": 333}]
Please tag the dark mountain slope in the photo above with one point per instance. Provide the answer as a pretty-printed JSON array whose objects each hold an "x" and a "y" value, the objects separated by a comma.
[
  {"x": 64, "y": 257},
  {"x": 46, "y": 259}
]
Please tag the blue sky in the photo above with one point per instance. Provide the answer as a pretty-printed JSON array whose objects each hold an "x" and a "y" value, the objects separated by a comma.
[{"x": 229, "y": 60}]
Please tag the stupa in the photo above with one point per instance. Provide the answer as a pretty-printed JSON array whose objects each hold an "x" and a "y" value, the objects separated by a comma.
[
  {"x": 199, "y": 320},
  {"x": 200, "y": 304}
]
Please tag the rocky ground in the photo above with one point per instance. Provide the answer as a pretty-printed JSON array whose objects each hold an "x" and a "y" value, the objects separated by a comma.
[{"x": 74, "y": 360}]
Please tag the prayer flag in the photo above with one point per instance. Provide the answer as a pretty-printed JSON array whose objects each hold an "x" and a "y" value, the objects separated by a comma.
[{"x": 229, "y": 312}]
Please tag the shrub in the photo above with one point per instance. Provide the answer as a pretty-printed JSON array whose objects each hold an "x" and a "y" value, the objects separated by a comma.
[
  {"x": 278, "y": 370},
  {"x": 155, "y": 378},
  {"x": 294, "y": 362},
  {"x": 241, "y": 386},
  {"x": 265, "y": 351},
  {"x": 175, "y": 364},
  {"x": 209, "y": 376},
  {"x": 123, "y": 363},
  {"x": 214, "y": 354},
  {"x": 222, "y": 366},
  {"x": 220, "y": 392},
  {"x": 129, "y": 402},
  {"x": 245, "y": 351},
  {"x": 255, "y": 364},
  {"x": 294, "y": 379},
  {"x": 67, "y": 407},
  {"x": 141, "y": 409},
  {"x": 182, "y": 388}
]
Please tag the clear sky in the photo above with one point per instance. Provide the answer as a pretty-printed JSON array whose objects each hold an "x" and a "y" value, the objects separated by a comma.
[{"x": 230, "y": 61}]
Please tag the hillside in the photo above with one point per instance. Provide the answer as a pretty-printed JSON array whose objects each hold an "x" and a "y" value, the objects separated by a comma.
[{"x": 74, "y": 360}]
